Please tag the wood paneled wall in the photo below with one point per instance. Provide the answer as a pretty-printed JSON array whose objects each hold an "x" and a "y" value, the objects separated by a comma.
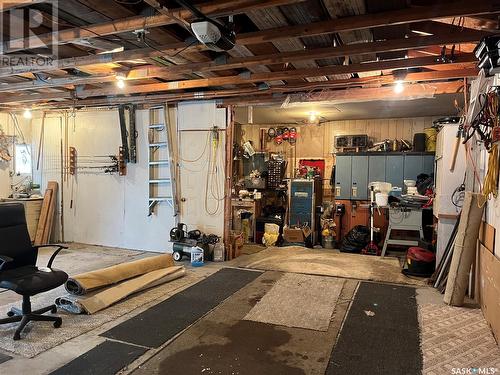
[{"x": 317, "y": 141}]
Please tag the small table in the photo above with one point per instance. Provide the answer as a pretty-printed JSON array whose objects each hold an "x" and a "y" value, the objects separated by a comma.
[{"x": 403, "y": 218}]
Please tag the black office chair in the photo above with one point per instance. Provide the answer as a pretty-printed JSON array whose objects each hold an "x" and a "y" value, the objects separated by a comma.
[{"x": 18, "y": 270}]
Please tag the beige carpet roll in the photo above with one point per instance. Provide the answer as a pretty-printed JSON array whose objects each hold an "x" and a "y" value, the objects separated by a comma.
[
  {"x": 86, "y": 282},
  {"x": 106, "y": 297},
  {"x": 464, "y": 250}
]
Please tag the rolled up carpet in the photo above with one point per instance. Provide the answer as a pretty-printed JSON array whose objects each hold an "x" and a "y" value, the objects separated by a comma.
[
  {"x": 86, "y": 282},
  {"x": 98, "y": 300}
]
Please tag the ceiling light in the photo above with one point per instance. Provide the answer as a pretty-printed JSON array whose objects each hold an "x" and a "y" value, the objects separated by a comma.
[
  {"x": 120, "y": 82},
  {"x": 313, "y": 116},
  {"x": 399, "y": 87},
  {"x": 27, "y": 114}
]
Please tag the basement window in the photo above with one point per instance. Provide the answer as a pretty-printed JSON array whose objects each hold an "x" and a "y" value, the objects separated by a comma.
[{"x": 22, "y": 159}]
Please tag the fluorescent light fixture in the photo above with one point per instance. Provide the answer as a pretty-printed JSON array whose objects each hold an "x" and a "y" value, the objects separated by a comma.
[
  {"x": 27, "y": 114},
  {"x": 399, "y": 87}
]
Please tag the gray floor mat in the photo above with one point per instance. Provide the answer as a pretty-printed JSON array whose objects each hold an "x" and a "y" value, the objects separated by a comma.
[
  {"x": 380, "y": 334},
  {"x": 163, "y": 321},
  {"x": 105, "y": 359}
]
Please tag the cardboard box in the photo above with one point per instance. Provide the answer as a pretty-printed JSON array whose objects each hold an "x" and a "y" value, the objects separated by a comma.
[{"x": 293, "y": 235}]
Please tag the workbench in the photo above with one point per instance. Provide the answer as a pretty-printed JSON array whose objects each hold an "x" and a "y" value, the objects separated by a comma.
[{"x": 407, "y": 219}]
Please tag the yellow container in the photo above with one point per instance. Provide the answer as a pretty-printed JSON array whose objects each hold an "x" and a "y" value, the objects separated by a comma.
[{"x": 430, "y": 139}]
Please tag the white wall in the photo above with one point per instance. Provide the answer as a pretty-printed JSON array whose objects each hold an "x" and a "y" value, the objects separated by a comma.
[
  {"x": 111, "y": 210},
  {"x": 201, "y": 208},
  {"x": 107, "y": 210}
]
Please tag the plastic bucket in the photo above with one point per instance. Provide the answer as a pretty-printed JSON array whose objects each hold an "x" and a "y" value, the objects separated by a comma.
[
  {"x": 197, "y": 257},
  {"x": 382, "y": 199}
]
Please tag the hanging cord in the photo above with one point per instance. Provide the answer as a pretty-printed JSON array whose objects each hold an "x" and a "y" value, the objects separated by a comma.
[
  {"x": 212, "y": 185},
  {"x": 490, "y": 185}
]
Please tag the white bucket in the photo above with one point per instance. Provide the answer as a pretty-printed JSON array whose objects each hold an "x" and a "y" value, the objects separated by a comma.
[{"x": 382, "y": 199}]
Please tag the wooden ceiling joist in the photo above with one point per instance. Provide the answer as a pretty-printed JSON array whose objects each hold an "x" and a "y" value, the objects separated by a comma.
[
  {"x": 6, "y": 5},
  {"x": 216, "y": 8},
  {"x": 235, "y": 63},
  {"x": 245, "y": 96},
  {"x": 318, "y": 28},
  {"x": 324, "y": 53},
  {"x": 219, "y": 81}
]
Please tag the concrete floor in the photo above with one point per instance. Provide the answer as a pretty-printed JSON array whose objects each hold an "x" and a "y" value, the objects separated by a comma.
[{"x": 221, "y": 334}]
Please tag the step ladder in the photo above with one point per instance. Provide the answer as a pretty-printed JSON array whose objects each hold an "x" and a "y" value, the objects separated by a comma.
[{"x": 162, "y": 187}]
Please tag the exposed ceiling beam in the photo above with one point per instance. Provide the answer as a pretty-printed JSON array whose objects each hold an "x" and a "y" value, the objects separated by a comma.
[
  {"x": 354, "y": 95},
  {"x": 146, "y": 72},
  {"x": 277, "y": 58},
  {"x": 463, "y": 61},
  {"x": 218, "y": 81},
  {"x": 12, "y": 4},
  {"x": 414, "y": 91},
  {"x": 483, "y": 24},
  {"x": 318, "y": 28},
  {"x": 216, "y": 8},
  {"x": 330, "y": 52},
  {"x": 371, "y": 20}
]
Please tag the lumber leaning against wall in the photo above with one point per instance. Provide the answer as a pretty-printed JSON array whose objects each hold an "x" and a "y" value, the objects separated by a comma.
[
  {"x": 489, "y": 289},
  {"x": 464, "y": 250}
]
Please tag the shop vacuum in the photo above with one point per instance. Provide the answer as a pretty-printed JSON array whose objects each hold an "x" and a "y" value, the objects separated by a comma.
[{"x": 419, "y": 262}]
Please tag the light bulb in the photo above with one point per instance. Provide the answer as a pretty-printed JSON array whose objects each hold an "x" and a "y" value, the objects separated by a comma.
[
  {"x": 120, "y": 83},
  {"x": 399, "y": 87},
  {"x": 27, "y": 114},
  {"x": 313, "y": 116}
]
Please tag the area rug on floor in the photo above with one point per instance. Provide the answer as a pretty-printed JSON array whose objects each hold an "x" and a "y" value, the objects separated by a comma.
[
  {"x": 38, "y": 337},
  {"x": 161, "y": 322},
  {"x": 380, "y": 334},
  {"x": 327, "y": 263},
  {"x": 301, "y": 301},
  {"x": 456, "y": 338}
]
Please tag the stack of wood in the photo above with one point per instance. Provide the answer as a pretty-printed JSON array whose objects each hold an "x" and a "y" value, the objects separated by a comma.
[{"x": 47, "y": 214}]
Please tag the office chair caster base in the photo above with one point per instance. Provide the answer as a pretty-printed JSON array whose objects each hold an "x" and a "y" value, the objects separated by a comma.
[{"x": 58, "y": 323}]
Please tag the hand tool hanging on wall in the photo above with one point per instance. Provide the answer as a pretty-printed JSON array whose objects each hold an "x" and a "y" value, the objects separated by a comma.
[{"x": 124, "y": 150}]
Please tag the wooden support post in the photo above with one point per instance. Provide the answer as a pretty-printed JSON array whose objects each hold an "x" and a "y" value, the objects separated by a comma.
[{"x": 228, "y": 181}]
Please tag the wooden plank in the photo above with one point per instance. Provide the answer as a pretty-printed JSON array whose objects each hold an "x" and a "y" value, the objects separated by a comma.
[
  {"x": 228, "y": 222},
  {"x": 489, "y": 289},
  {"x": 52, "y": 209},
  {"x": 371, "y": 20},
  {"x": 44, "y": 215},
  {"x": 487, "y": 236}
]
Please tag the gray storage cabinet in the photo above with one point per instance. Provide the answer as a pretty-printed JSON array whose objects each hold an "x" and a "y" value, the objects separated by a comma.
[
  {"x": 343, "y": 177},
  {"x": 354, "y": 172},
  {"x": 394, "y": 170},
  {"x": 376, "y": 168},
  {"x": 359, "y": 179}
]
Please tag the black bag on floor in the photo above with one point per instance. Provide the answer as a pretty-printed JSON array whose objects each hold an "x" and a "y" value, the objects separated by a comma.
[{"x": 356, "y": 240}]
